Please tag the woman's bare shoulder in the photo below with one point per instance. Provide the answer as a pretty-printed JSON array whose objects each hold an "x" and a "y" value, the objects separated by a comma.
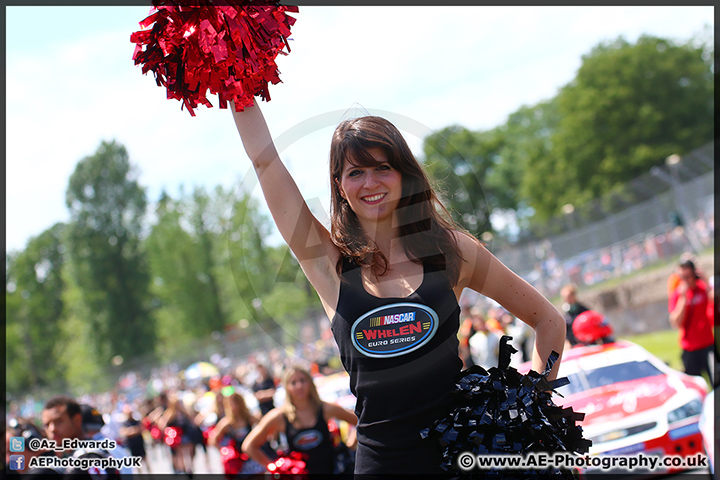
[
  {"x": 464, "y": 236},
  {"x": 475, "y": 258},
  {"x": 274, "y": 418},
  {"x": 468, "y": 244}
]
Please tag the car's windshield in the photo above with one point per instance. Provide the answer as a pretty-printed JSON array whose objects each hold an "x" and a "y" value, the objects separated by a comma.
[{"x": 598, "y": 377}]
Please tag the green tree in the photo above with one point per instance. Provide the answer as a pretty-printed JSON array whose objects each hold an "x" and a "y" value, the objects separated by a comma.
[
  {"x": 628, "y": 108},
  {"x": 207, "y": 227},
  {"x": 246, "y": 268},
  {"x": 107, "y": 206},
  {"x": 458, "y": 160},
  {"x": 16, "y": 376},
  {"x": 260, "y": 282},
  {"x": 34, "y": 308},
  {"x": 291, "y": 298},
  {"x": 518, "y": 171},
  {"x": 485, "y": 172},
  {"x": 80, "y": 353},
  {"x": 211, "y": 267},
  {"x": 181, "y": 250}
]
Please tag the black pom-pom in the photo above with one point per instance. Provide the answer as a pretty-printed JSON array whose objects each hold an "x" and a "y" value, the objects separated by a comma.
[{"x": 501, "y": 411}]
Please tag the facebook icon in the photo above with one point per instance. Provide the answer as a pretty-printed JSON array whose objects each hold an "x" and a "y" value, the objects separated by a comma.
[{"x": 17, "y": 462}]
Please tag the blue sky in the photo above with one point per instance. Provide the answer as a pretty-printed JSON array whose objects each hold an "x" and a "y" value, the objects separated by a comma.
[{"x": 71, "y": 83}]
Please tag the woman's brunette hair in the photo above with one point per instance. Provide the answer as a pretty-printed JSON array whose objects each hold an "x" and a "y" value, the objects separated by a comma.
[
  {"x": 236, "y": 409},
  {"x": 288, "y": 406},
  {"x": 175, "y": 407},
  {"x": 424, "y": 223}
]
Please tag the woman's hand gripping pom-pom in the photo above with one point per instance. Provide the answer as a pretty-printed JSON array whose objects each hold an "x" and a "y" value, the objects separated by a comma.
[
  {"x": 228, "y": 47},
  {"x": 501, "y": 411}
]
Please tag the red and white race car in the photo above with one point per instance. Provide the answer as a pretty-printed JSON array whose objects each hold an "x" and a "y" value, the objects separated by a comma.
[{"x": 633, "y": 402}]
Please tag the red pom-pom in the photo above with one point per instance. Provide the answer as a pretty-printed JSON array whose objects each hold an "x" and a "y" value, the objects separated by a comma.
[
  {"x": 232, "y": 459},
  {"x": 291, "y": 464},
  {"x": 155, "y": 433},
  {"x": 226, "y": 46},
  {"x": 173, "y": 436}
]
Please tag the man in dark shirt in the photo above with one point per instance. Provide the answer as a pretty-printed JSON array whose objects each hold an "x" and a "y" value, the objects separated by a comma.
[
  {"x": 131, "y": 431},
  {"x": 571, "y": 308},
  {"x": 264, "y": 388}
]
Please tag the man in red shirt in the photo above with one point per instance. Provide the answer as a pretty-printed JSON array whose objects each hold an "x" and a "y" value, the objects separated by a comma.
[{"x": 688, "y": 308}]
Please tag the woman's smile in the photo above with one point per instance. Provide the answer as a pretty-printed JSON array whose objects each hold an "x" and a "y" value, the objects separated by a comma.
[{"x": 373, "y": 199}]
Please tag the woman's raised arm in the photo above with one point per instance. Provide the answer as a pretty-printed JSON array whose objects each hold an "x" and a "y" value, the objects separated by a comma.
[{"x": 305, "y": 235}]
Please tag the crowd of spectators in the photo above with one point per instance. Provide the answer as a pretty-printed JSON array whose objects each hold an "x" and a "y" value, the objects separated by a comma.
[
  {"x": 136, "y": 403},
  {"x": 598, "y": 265}
]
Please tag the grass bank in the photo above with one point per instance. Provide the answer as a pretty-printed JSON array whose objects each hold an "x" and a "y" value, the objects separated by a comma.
[{"x": 663, "y": 344}]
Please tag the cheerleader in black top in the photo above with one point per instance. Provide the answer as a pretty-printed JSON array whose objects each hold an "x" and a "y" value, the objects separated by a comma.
[
  {"x": 177, "y": 416},
  {"x": 233, "y": 428},
  {"x": 303, "y": 418},
  {"x": 389, "y": 274}
]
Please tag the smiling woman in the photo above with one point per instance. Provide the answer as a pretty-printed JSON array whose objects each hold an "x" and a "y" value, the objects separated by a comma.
[
  {"x": 303, "y": 418},
  {"x": 389, "y": 273},
  {"x": 379, "y": 190}
]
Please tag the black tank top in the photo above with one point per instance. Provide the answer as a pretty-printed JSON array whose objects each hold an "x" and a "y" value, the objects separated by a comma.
[
  {"x": 315, "y": 441},
  {"x": 401, "y": 355},
  {"x": 237, "y": 433}
]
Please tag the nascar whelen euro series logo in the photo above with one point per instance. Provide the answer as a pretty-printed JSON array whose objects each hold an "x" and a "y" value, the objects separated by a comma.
[
  {"x": 393, "y": 330},
  {"x": 308, "y": 440}
]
